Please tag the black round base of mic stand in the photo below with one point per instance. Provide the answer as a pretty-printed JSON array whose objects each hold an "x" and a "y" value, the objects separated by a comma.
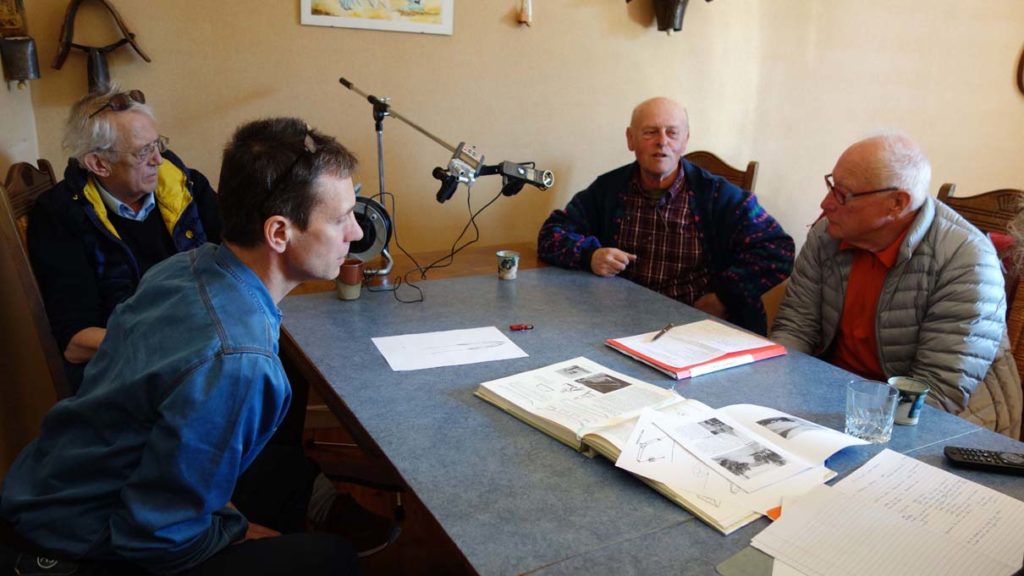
[{"x": 377, "y": 227}]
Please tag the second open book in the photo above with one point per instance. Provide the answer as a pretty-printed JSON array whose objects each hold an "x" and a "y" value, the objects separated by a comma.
[{"x": 726, "y": 466}]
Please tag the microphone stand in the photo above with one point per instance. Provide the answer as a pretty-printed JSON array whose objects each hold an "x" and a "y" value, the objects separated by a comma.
[{"x": 381, "y": 110}]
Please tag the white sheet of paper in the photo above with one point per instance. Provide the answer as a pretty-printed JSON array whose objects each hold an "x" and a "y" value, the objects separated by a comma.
[
  {"x": 806, "y": 439},
  {"x": 780, "y": 568},
  {"x": 694, "y": 343},
  {"x": 829, "y": 532},
  {"x": 750, "y": 462},
  {"x": 651, "y": 453},
  {"x": 938, "y": 500},
  {"x": 654, "y": 460},
  {"x": 447, "y": 348},
  {"x": 896, "y": 515}
]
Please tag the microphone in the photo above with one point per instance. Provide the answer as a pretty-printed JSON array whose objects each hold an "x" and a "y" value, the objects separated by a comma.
[
  {"x": 466, "y": 165},
  {"x": 463, "y": 167},
  {"x": 542, "y": 179},
  {"x": 449, "y": 184}
]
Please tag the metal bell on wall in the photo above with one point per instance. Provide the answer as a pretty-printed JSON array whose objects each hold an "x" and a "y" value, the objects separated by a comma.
[
  {"x": 99, "y": 73},
  {"x": 669, "y": 14},
  {"x": 20, "y": 60}
]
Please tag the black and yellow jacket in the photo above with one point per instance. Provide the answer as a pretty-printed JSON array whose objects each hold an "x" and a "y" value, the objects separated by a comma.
[{"x": 83, "y": 267}]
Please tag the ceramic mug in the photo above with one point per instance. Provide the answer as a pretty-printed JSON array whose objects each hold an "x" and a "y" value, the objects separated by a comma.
[{"x": 350, "y": 279}]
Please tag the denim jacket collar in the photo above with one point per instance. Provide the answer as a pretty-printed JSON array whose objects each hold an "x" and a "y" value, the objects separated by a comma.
[{"x": 227, "y": 260}]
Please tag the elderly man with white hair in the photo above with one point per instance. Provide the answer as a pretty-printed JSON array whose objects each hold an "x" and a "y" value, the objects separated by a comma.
[
  {"x": 125, "y": 204},
  {"x": 892, "y": 282}
]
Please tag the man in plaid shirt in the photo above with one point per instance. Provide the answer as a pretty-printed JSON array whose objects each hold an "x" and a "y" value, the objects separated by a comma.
[{"x": 672, "y": 227}]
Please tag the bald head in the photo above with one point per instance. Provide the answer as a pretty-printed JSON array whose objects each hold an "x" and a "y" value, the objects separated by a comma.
[
  {"x": 660, "y": 107},
  {"x": 657, "y": 135},
  {"x": 892, "y": 159},
  {"x": 875, "y": 191}
]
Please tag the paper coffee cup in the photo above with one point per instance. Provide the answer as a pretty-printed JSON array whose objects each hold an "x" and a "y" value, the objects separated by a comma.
[
  {"x": 508, "y": 264},
  {"x": 912, "y": 395}
]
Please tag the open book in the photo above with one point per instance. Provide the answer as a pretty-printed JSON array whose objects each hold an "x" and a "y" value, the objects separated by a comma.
[
  {"x": 639, "y": 426},
  {"x": 697, "y": 348}
]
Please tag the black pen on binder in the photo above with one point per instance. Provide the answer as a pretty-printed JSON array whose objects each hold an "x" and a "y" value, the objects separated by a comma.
[{"x": 662, "y": 332}]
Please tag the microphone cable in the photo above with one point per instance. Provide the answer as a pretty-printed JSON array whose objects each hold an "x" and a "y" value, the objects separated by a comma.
[{"x": 442, "y": 262}]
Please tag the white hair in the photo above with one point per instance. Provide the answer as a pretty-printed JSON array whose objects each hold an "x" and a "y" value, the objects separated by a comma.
[
  {"x": 87, "y": 131},
  {"x": 901, "y": 163}
]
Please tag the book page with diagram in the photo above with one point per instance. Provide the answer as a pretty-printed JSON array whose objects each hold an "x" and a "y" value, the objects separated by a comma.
[{"x": 572, "y": 396}]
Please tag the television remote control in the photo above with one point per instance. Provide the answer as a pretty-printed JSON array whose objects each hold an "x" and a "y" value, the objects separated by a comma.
[{"x": 989, "y": 460}]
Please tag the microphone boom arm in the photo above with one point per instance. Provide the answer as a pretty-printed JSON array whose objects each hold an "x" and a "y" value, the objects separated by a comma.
[
  {"x": 466, "y": 163},
  {"x": 388, "y": 110}
]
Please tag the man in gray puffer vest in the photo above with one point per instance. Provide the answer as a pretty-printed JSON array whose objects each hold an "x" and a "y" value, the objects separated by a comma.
[{"x": 892, "y": 282}]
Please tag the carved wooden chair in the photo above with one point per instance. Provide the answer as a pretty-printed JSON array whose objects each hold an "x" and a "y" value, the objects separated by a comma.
[
  {"x": 992, "y": 212},
  {"x": 743, "y": 178},
  {"x": 24, "y": 183}
]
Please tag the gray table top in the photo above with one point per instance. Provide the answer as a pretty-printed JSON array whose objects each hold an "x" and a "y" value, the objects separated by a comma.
[{"x": 515, "y": 500}]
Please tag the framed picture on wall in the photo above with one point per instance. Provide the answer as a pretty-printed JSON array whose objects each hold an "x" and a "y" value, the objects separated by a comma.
[{"x": 420, "y": 16}]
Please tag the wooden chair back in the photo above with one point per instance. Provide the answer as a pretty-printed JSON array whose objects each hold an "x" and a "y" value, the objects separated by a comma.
[
  {"x": 743, "y": 178},
  {"x": 24, "y": 183},
  {"x": 771, "y": 300},
  {"x": 992, "y": 212}
]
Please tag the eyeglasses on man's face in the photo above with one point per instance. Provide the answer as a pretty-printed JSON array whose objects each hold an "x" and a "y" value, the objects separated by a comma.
[
  {"x": 146, "y": 152},
  {"x": 121, "y": 101},
  {"x": 842, "y": 198}
]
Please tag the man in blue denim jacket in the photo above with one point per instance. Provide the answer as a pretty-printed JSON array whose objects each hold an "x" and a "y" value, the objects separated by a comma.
[{"x": 137, "y": 470}]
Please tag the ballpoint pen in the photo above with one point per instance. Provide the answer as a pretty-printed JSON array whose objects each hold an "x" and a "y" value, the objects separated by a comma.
[{"x": 662, "y": 332}]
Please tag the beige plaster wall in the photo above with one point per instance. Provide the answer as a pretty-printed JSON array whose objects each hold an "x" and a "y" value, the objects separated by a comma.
[
  {"x": 786, "y": 82},
  {"x": 18, "y": 142}
]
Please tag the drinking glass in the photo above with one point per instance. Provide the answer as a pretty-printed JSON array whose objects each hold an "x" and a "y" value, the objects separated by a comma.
[{"x": 870, "y": 407}]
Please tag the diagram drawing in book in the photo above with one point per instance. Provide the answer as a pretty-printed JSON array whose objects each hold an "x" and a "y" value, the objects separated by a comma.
[
  {"x": 566, "y": 398},
  {"x": 696, "y": 348},
  {"x": 727, "y": 467}
]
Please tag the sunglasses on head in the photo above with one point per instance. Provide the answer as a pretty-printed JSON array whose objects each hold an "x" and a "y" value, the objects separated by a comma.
[
  {"x": 121, "y": 101},
  {"x": 309, "y": 148}
]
